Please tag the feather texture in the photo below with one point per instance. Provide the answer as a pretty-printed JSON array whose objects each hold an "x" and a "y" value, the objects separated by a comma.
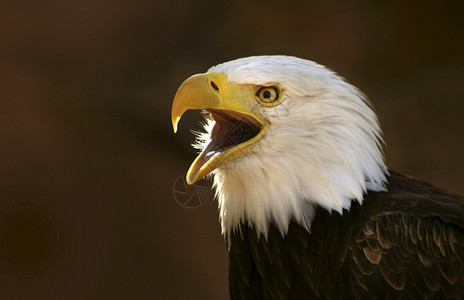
[
  {"x": 322, "y": 147},
  {"x": 398, "y": 244}
]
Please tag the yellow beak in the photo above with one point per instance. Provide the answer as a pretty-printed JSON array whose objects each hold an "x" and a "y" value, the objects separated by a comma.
[{"x": 233, "y": 107}]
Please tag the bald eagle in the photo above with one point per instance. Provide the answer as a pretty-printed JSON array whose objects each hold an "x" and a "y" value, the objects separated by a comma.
[{"x": 307, "y": 205}]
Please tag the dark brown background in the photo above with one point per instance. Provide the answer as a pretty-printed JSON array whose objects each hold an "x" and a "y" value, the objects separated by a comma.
[{"x": 88, "y": 158}]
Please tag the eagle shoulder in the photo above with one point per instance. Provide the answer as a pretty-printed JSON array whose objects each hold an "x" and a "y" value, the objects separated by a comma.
[
  {"x": 407, "y": 241},
  {"x": 414, "y": 246}
]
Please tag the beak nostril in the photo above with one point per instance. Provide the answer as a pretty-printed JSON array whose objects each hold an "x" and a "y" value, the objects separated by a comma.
[{"x": 214, "y": 86}]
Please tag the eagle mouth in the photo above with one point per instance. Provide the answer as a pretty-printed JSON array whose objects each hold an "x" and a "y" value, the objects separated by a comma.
[
  {"x": 230, "y": 130},
  {"x": 235, "y": 112}
]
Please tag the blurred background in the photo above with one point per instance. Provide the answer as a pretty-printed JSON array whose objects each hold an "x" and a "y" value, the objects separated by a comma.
[{"x": 88, "y": 158}]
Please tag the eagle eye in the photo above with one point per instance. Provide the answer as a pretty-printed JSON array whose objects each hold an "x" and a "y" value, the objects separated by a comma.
[{"x": 268, "y": 95}]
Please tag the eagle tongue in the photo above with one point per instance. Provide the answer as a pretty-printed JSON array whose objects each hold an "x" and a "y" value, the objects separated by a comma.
[{"x": 230, "y": 130}]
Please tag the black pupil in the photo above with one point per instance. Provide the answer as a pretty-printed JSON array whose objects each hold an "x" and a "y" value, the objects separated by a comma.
[{"x": 267, "y": 94}]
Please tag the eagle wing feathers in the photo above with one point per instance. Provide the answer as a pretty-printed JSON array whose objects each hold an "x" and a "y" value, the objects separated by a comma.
[{"x": 396, "y": 244}]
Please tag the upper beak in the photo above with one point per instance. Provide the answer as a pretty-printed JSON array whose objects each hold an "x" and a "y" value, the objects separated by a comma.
[
  {"x": 194, "y": 93},
  {"x": 212, "y": 91}
]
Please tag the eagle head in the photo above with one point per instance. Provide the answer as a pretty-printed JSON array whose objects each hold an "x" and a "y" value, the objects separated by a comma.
[{"x": 283, "y": 135}]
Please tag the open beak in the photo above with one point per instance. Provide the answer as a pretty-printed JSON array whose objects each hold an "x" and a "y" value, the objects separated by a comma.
[{"x": 234, "y": 110}]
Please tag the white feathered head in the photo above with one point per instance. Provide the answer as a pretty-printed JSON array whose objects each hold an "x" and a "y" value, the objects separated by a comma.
[{"x": 285, "y": 134}]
